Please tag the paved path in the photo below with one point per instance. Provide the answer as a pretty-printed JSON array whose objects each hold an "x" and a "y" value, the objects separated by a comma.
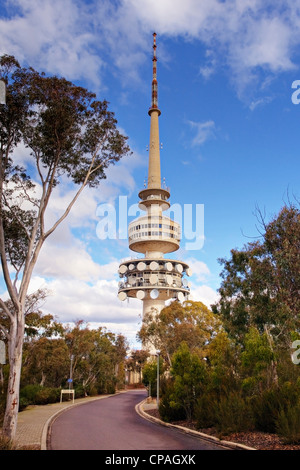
[
  {"x": 33, "y": 421},
  {"x": 113, "y": 424}
]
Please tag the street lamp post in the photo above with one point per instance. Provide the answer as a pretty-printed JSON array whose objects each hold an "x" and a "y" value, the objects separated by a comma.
[
  {"x": 157, "y": 393},
  {"x": 2, "y": 92},
  {"x": 71, "y": 367}
]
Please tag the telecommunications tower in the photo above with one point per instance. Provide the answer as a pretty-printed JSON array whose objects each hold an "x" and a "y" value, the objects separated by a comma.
[{"x": 154, "y": 279}]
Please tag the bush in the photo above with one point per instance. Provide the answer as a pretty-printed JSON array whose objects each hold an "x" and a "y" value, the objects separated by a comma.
[
  {"x": 23, "y": 403},
  {"x": 267, "y": 407},
  {"x": 38, "y": 395},
  {"x": 47, "y": 395},
  {"x": 92, "y": 391},
  {"x": 169, "y": 409},
  {"x": 111, "y": 388},
  {"x": 29, "y": 392},
  {"x": 288, "y": 424},
  {"x": 206, "y": 411},
  {"x": 80, "y": 392},
  {"x": 234, "y": 414}
]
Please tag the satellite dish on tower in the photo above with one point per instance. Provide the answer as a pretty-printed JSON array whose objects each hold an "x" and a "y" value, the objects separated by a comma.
[
  {"x": 153, "y": 279},
  {"x": 179, "y": 268},
  {"x": 141, "y": 266},
  {"x": 122, "y": 295},
  {"x": 169, "y": 266},
  {"x": 154, "y": 266},
  {"x": 140, "y": 294},
  {"x": 123, "y": 269},
  {"x": 154, "y": 294}
]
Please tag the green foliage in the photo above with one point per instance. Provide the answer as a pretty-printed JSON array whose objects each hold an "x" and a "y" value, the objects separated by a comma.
[
  {"x": 150, "y": 375},
  {"x": 230, "y": 412},
  {"x": 288, "y": 424},
  {"x": 233, "y": 414},
  {"x": 46, "y": 365},
  {"x": 223, "y": 358},
  {"x": 267, "y": 406},
  {"x": 257, "y": 360},
  {"x": 206, "y": 410},
  {"x": 189, "y": 374},
  {"x": 191, "y": 322},
  {"x": 170, "y": 410},
  {"x": 260, "y": 286},
  {"x": 47, "y": 395},
  {"x": 38, "y": 395}
]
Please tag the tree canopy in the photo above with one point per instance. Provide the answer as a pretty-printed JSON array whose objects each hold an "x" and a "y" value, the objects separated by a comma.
[
  {"x": 261, "y": 282},
  {"x": 191, "y": 322},
  {"x": 68, "y": 135}
]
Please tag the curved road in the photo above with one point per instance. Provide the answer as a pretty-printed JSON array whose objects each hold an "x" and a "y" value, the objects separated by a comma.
[{"x": 113, "y": 424}]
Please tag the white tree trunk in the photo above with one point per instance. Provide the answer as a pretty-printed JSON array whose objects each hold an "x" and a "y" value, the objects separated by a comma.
[{"x": 15, "y": 363}]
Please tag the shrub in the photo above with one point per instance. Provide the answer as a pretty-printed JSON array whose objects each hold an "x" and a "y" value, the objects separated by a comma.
[
  {"x": 80, "y": 392},
  {"x": 111, "y": 387},
  {"x": 169, "y": 409},
  {"x": 23, "y": 403},
  {"x": 47, "y": 395},
  {"x": 92, "y": 391},
  {"x": 267, "y": 407},
  {"x": 205, "y": 411},
  {"x": 288, "y": 424},
  {"x": 234, "y": 414},
  {"x": 29, "y": 392},
  {"x": 38, "y": 395}
]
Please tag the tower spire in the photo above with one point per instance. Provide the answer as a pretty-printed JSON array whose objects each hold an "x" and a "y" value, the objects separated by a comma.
[
  {"x": 154, "y": 176},
  {"x": 154, "y": 103}
]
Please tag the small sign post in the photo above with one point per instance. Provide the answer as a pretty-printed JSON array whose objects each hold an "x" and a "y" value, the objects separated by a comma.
[{"x": 69, "y": 391}]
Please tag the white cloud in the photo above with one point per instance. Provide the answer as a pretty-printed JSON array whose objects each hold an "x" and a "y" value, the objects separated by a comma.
[
  {"x": 203, "y": 293},
  {"x": 259, "y": 102},
  {"x": 200, "y": 270},
  {"x": 52, "y": 35},
  {"x": 96, "y": 302},
  {"x": 80, "y": 39},
  {"x": 70, "y": 261},
  {"x": 204, "y": 131}
]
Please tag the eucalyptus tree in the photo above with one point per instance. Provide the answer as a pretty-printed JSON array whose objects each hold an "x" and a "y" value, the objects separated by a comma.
[
  {"x": 192, "y": 322},
  {"x": 68, "y": 134},
  {"x": 260, "y": 288},
  {"x": 261, "y": 282}
]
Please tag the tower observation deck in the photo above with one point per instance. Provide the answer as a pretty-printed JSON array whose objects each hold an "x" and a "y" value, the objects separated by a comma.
[{"x": 155, "y": 278}]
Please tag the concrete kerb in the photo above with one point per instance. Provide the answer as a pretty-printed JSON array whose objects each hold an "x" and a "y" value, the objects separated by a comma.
[{"x": 232, "y": 445}]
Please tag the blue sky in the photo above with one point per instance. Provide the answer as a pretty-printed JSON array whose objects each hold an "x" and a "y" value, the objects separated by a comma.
[{"x": 228, "y": 126}]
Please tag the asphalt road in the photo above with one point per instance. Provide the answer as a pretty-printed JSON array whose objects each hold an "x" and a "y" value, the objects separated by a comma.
[{"x": 113, "y": 424}]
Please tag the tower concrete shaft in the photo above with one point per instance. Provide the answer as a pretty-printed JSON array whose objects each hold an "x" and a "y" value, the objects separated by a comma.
[{"x": 154, "y": 279}]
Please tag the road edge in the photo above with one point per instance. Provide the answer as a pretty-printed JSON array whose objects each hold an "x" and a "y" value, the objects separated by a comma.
[{"x": 232, "y": 445}]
